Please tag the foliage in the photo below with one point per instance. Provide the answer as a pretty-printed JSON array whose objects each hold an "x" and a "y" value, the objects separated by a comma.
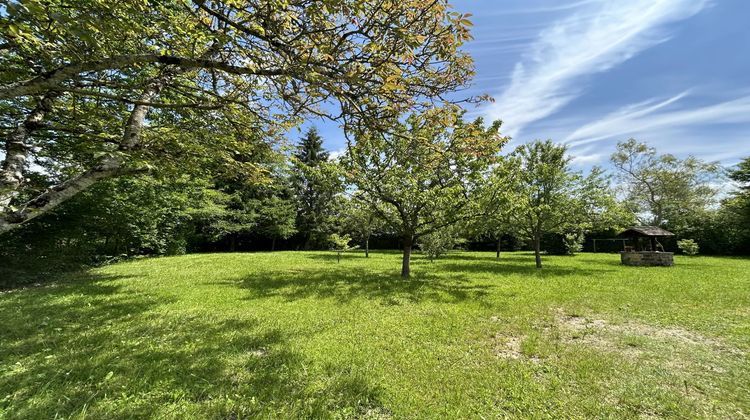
[
  {"x": 95, "y": 89},
  {"x": 688, "y": 246},
  {"x": 277, "y": 218},
  {"x": 663, "y": 190},
  {"x": 437, "y": 243},
  {"x": 420, "y": 177},
  {"x": 126, "y": 216},
  {"x": 361, "y": 221},
  {"x": 340, "y": 244},
  {"x": 548, "y": 197},
  {"x": 573, "y": 243},
  {"x": 741, "y": 174},
  {"x": 316, "y": 181}
]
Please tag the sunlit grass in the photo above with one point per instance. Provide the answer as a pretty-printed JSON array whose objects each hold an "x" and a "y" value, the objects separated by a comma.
[{"x": 298, "y": 335}]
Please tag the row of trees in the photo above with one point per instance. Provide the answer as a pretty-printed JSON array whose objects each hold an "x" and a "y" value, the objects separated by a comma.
[{"x": 433, "y": 181}]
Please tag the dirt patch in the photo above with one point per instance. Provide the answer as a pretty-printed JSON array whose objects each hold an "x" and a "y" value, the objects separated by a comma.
[
  {"x": 508, "y": 347},
  {"x": 261, "y": 352},
  {"x": 630, "y": 339},
  {"x": 629, "y": 336}
]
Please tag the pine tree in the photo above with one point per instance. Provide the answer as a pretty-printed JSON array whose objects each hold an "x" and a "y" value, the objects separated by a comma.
[{"x": 316, "y": 183}]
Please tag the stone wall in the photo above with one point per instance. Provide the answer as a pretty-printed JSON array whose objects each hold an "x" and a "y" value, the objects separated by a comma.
[{"x": 647, "y": 258}]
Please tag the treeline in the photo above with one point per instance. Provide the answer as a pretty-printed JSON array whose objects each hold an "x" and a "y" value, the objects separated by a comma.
[{"x": 427, "y": 192}]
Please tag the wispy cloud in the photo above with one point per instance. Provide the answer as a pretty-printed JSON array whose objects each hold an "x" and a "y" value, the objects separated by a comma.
[
  {"x": 589, "y": 42},
  {"x": 542, "y": 9},
  {"x": 653, "y": 118}
]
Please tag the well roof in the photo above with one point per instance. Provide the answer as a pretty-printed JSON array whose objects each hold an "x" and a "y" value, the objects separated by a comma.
[{"x": 646, "y": 231}]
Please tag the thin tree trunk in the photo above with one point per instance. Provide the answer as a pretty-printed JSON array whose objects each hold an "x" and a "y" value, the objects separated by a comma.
[
  {"x": 232, "y": 242},
  {"x": 367, "y": 246},
  {"x": 16, "y": 150},
  {"x": 537, "y": 251},
  {"x": 405, "y": 267},
  {"x": 273, "y": 244},
  {"x": 497, "y": 253}
]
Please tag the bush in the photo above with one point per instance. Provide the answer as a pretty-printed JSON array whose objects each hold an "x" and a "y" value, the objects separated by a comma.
[
  {"x": 573, "y": 243},
  {"x": 437, "y": 243},
  {"x": 688, "y": 246}
]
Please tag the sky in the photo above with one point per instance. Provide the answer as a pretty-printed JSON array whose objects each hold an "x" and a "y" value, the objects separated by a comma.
[{"x": 589, "y": 73}]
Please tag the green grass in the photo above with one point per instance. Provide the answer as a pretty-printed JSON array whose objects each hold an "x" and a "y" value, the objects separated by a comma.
[{"x": 289, "y": 335}]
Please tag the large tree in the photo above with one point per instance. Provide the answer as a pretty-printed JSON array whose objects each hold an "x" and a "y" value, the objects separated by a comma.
[
  {"x": 92, "y": 88},
  {"x": 316, "y": 181},
  {"x": 421, "y": 176},
  {"x": 663, "y": 190},
  {"x": 545, "y": 195}
]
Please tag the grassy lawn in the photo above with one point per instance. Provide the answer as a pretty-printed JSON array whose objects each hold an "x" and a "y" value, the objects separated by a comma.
[{"x": 297, "y": 335}]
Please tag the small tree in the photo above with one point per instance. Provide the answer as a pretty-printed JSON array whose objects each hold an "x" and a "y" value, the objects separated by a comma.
[
  {"x": 437, "y": 243},
  {"x": 423, "y": 175},
  {"x": 340, "y": 244},
  {"x": 548, "y": 197},
  {"x": 688, "y": 246},
  {"x": 662, "y": 189},
  {"x": 362, "y": 221},
  {"x": 573, "y": 242},
  {"x": 496, "y": 205},
  {"x": 277, "y": 218}
]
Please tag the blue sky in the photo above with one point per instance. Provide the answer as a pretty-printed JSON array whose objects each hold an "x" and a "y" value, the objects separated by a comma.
[{"x": 588, "y": 73}]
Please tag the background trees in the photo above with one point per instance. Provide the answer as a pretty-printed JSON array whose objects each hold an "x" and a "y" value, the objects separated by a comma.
[
  {"x": 421, "y": 177},
  {"x": 316, "y": 182},
  {"x": 662, "y": 190}
]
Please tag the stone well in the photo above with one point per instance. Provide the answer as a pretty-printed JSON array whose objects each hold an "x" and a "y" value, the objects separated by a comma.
[{"x": 647, "y": 258}]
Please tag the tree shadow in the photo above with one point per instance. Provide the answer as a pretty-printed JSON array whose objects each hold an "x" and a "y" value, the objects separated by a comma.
[
  {"x": 347, "y": 283},
  {"x": 93, "y": 347},
  {"x": 517, "y": 265}
]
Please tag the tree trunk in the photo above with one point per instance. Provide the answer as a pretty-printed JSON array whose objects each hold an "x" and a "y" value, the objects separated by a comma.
[
  {"x": 537, "y": 251},
  {"x": 232, "y": 242},
  {"x": 497, "y": 252},
  {"x": 273, "y": 244},
  {"x": 108, "y": 167},
  {"x": 16, "y": 151},
  {"x": 367, "y": 246},
  {"x": 405, "y": 267}
]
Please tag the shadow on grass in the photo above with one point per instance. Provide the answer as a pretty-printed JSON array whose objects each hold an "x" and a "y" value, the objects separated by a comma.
[
  {"x": 93, "y": 347},
  {"x": 347, "y": 283},
  {"x": 450, "y": 279}
]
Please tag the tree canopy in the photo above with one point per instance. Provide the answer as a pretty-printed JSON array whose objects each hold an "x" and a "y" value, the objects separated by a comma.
[
  {"x": 96, "y": 89},
  {"x": 421, "y": 176},
  {"x": 663, "y": 190}
]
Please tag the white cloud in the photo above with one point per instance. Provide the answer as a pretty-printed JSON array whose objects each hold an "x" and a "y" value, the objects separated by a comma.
[
  {"x": 652, "y": 119},
  {"x": 580, "y": 45},
  {"x": 336, "y": 154},
  {"x": 587, "y": 159}
]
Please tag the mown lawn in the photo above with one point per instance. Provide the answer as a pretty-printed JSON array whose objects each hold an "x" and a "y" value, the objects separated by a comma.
[{"x": 289, "y": 335}]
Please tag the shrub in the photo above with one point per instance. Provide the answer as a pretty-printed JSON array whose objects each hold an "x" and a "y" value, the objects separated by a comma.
[
  {"x": 437, "y": 243},
  {"x": 573, "y": 243},
  {"x": 688, "y": 246}
]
